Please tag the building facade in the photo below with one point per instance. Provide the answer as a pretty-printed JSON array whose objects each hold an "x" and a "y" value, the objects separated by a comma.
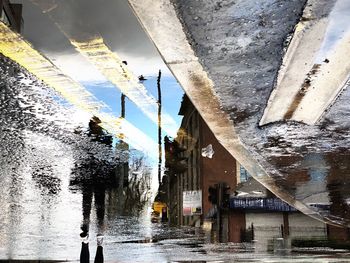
[
  {"x": 11, "y": 15},
  {"x": 195, "y": 161},
  {"x": 264, "y": 217}
]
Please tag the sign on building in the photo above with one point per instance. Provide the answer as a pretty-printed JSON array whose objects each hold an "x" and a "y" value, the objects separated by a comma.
[{"x": 192, "y": 203}]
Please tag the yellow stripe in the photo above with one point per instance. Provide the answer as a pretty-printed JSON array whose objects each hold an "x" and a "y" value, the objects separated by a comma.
[{"x": 13, "y": 46}]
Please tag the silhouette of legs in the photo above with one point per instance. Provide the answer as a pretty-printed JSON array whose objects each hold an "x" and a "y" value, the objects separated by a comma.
[
  {"x": 87, "y": 201},
  {"x": 84, "y": 254},
  {"x": 99, "y": 255},
  {"x": 99, "y": 194}
]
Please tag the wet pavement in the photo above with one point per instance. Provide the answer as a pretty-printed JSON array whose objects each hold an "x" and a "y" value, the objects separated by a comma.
[
  {"x": 58, "y": 177},
  {"x": 240, "y": 47},
  {"x": 49, "y": 191},
  {"x": 56, "y": 180}
]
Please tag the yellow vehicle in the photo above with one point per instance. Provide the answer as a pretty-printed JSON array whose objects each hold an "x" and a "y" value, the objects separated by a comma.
[{"x": 160, "y": 212}]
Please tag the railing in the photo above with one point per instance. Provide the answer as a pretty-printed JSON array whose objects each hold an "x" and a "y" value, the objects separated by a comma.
[{"x": 263, "y": 204}]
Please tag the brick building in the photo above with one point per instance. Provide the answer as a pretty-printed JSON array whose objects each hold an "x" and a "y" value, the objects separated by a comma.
[
  {"x": 196, "y": 161},
  {"x": 191, "y": 167},
  {"x": 265, "y": 217}
]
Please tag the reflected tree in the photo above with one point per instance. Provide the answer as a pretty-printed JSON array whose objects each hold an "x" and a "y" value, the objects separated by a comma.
[{"x": 137, "y": 190}]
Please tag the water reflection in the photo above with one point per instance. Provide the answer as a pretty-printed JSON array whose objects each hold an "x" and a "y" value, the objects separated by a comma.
[
  {"x": 60, "y": 180},
  {"x": 93, "y": 177},
  {"x": 85, "y": 253},
  {"x": 338, "y": 186},
  {"x": 48, "y": 161},
  {"x": 320, "y": 181}
]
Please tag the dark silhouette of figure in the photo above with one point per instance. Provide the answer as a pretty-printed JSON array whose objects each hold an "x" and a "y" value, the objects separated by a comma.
[
  {"x": 97, "y": 133},
  {"x": 95, "y": 188},
  {"x": 93, "y": 177},
  {"x": 85, "y": 253},
  {"x": 89, "y": 190}
]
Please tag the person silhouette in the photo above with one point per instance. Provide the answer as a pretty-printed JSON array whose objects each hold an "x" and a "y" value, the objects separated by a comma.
[
  {"x": 85, "y": 253},
  {"x": 92, "y": 177},
  {"x": 92, "y": 191}
]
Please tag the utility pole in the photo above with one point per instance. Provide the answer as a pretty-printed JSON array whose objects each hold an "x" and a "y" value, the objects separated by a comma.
[
  {"x": 218, "y": 212},
  {"x": 122, "y": 100},
  {"x": 159, "y": 128},
  {"x": 123, "y": 146}
]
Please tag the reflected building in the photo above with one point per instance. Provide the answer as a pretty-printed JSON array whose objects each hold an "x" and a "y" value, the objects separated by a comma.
[
  {"x": 264, "y": 217},
  {"x": 339, "y": 196},
  {"x": 257, "y": 83},
  {"x": 196, "y": 163},
  {"x": 11, "y": 15}
]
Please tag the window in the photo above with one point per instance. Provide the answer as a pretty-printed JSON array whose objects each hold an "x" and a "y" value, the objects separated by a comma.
[
  {"x": 244, "y": 175},
  {"x": 4, "y": 17}
]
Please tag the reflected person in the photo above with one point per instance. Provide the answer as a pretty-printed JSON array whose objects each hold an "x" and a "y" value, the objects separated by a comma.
[
  {"x": 94, "y": 189},
  {"x": 92, "y": 177}
]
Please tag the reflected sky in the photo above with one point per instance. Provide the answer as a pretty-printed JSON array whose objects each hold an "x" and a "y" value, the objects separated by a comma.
[
  {"x": 40, "y": 147},
  {"x": 43, "y": 132},
  {"x": 70, "y": 36},
  {"x": 65, "y": 23},
  {"x": 338, "y": 29}
]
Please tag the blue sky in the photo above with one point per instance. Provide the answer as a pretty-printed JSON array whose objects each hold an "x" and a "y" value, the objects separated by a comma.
[
  {"x": 171, "y": 99},
  {"x": 115, "y": 22}
]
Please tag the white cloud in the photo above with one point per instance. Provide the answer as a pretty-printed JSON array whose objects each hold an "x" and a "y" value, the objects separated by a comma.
[
  {"x": 147, "y": 66},
  {"x": 77, "y": 67}
]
